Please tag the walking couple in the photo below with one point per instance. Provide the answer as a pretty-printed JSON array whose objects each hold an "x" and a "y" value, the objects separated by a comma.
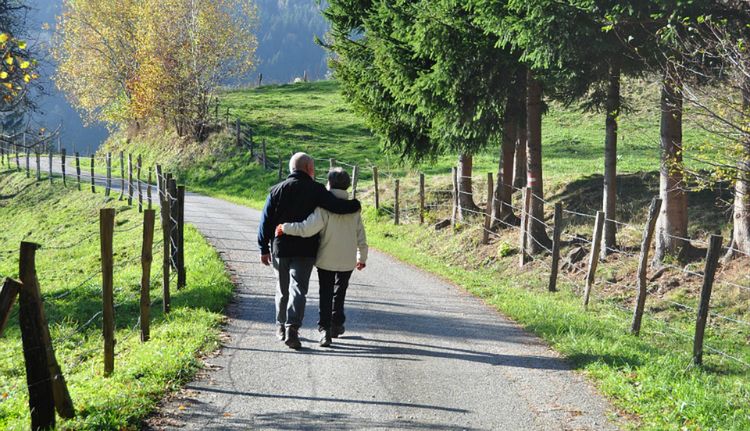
[{"x": 307, "y": 225}]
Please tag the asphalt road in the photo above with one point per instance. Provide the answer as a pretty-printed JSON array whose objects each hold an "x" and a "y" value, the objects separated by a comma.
[{"x": 418, "y": 353}]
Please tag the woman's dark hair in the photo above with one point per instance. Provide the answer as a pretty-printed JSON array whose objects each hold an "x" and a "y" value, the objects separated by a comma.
[{"x": 339, "y": 179}]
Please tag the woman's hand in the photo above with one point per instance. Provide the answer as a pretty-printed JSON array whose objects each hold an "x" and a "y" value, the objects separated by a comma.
[
  {"x": 361, "y": 266},
  {"x": 279, "y": 230}
]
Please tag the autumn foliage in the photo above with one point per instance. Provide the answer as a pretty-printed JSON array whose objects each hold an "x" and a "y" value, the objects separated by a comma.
[{"x": 134, "y": 62}]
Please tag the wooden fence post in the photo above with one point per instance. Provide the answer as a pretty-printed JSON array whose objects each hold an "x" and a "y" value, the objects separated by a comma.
[
  {"x": 556, "y": 231},
  {"x": 281, "y": 169},
  {"x": 712, "y": 260},
  {"x": 130, "y": 179},
  {"x": 28, "y": 170},
  {"x": 265, "y": 156},
  {"x": 78, "y": 170},
  {"x": 93, "y": 187},
  {"x": 147, "y": 258},
  {"x": 181, "y": 275},
  {"x": 239, "y": 133},
  {"x": 106, "y": 233},
  {"x": 396, "y": 209},
  {"x": 62, "y": 161},
  {"x": 35, "y": 334},
  {"x": 355, "y": 180},
  {"x": 122, "y": 176},
  {"x": 421, "y": 198},
  {"x": 524, "y": 240},
  {"x": 174, "y": 209},
  {"x": 108, "y": 188},
  {"x": 165, "y": 227},
  {"x": 331, "y": 164},
  {"x": 8, "y": 294},
  {"x": 50, "y": 167},
  {"x": 38, "y": 165},
  {"x": 488, "y": 211},
  {"x": 454, "y": 214},
  {"x": 377, "y": 190},
  {"x": 140, "y": 186},
  {"x": 648, "y": 237},
  {"x": 596, "y": 244},
  {"x": 148, "y": 188},
  {"x": 18, "y": 162}
]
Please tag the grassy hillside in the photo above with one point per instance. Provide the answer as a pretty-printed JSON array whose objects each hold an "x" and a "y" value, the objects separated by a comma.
[{"x": 65, "y": 223}]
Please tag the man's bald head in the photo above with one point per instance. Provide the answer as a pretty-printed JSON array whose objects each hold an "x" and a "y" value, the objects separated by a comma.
[{"x": 302, "y": 162}]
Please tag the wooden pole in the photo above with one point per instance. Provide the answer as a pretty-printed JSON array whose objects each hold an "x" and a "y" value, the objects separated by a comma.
[
  {"x": 165, "y": 227},
  {"x": 265, "y": 156},
  {"x": 712, "y": 261},
  {"x": 130, "y": 179},
  {"x": 487, "y": 212},
  {"x": 18, "y": 163},
  {"x": 377, "y": 190},
  {"x": 50, "y": 167},
  {"x": 8, "y": 294},
  {"x": 556, "y": 232},
  {"x": 331, "y": 163},
  {"x": 78, "y": 170},
  {"x": 122, "y": 176},
  {"x": 421, "y": 198},
  {"x": 30, "y": 300},
  {"x": 62, "y": 161},
  {"x": 454, "y": 214},
  {"x": 174, "y": 209},
  {"x": 108, "y": 188},
  {"x": 239, "y": 133},
  {"x": 596, "y": 244},
  {"x": 281, "y": 169},
  {"x": 28, "y": 170},
  {"x": 147, "y": 258},
  {"x": 140, "y": 186},
  {"x": 148, "y": 189},
  {"x": 38, "y": 165},
  {"x": 648, "y": 237},
  {"x": 524, "y": 238},
  {"x": 93, "y": 187},
  {"x": 38, "y": 378},
  {"x": 106, "y": 234},
  {"x": 396, "y": 209},
  {"x": 355, "y": 180},
  {"x": 181, "y": 275}
]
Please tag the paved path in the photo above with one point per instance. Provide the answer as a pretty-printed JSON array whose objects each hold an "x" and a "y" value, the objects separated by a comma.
[{"x": 418, "y": 353}]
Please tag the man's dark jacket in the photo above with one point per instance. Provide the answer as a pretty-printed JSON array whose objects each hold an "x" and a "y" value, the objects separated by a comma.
[{"x": 293, "y": 201}]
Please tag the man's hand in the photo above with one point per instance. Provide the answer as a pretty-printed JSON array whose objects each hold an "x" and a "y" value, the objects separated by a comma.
[
  {"x": 279, "y": 230},
  {"x": 361, "y": 266},
  {"x": 265, "y": 259}
]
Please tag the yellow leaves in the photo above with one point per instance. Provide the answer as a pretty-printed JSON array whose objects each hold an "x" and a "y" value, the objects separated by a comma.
[
  {"x": 9, "y": 61},
  {"x": 4, "y": 37},
  {"x": 26, "y": 78},
  {"x": 21, "y": 44},
  {"x": 8, "y": 85},
  {"x": 25, "y": 64},
  {"x": 3, "y": 75}
]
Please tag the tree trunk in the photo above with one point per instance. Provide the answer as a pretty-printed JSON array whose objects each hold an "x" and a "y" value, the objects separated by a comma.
[
  {"x": 501, "y": 208},
  {"x": 741, "y": 221},
  {"x": 519, "y": 167},
  {"x": 609, "y": 204},
  {"x": 465, "y": 194},
  {"x": 673, "y": 216},
  {"x": 537, "y": 234}
]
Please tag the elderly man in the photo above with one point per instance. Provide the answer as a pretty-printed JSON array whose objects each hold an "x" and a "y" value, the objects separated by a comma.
[{"x": 293, "y": 257}]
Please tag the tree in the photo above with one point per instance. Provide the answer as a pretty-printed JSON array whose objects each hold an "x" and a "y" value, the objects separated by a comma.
[
  {"x": 426, "y": 78},
  {"x": 133, "y": 61}
]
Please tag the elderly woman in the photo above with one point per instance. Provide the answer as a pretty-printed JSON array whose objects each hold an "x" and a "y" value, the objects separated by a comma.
[{"x": 343, "y": 247}]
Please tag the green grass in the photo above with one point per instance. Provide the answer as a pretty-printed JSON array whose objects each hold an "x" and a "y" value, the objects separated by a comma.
[
  {"x": 65, "y": 223},
  {"x": 648, "y": 378}
]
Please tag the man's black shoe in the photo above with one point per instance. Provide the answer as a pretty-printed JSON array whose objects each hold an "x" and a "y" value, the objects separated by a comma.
[
  {"x": 325, "y": 338},
  {"x": 280, "y": 332},
  {"x": 292, "y": 338},
  {"x": 337, "y": 331}
]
